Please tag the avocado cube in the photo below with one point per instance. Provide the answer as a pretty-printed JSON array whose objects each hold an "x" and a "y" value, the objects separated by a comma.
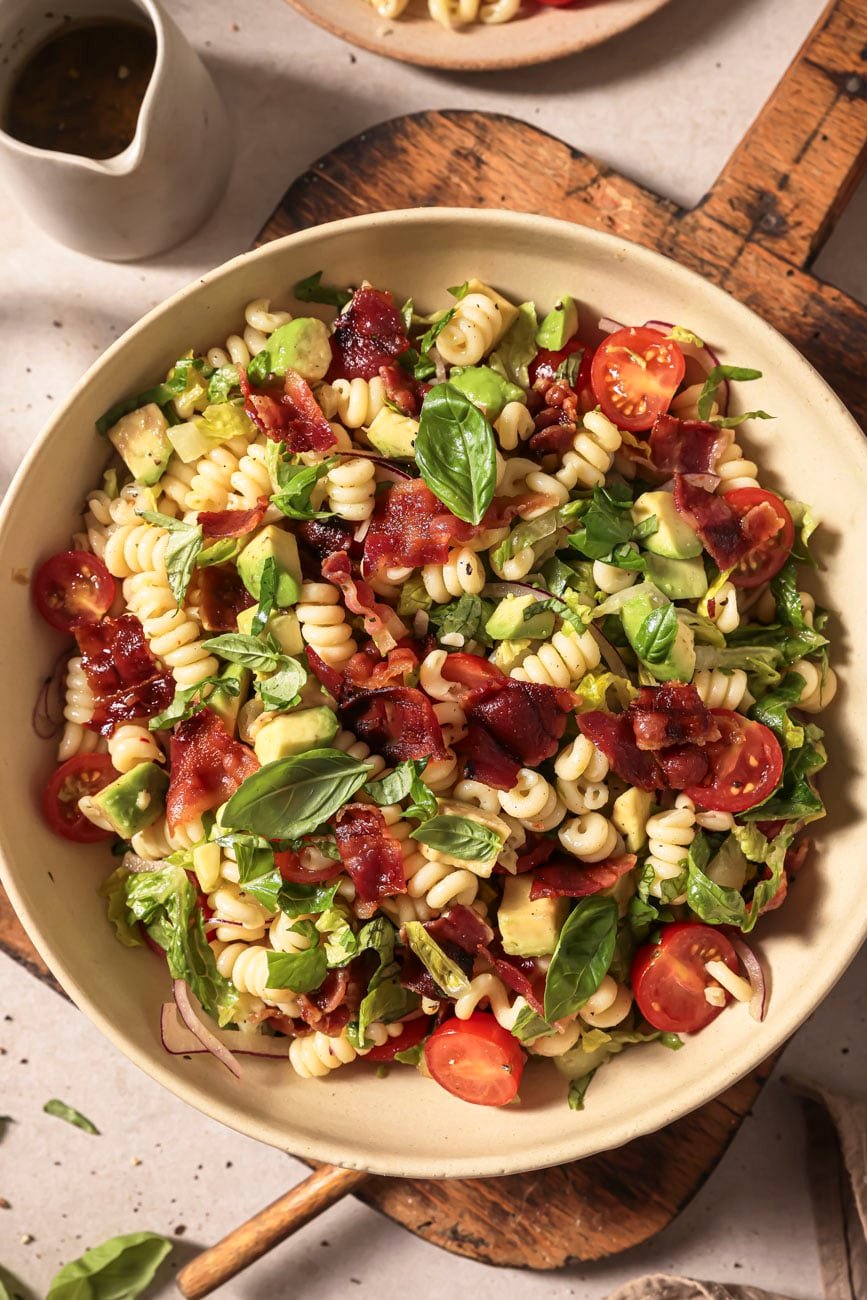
[
  {"x": 276, "y": 544},
  {"x": 285, "y": 628},
  {"x": 303, "y": 345},
  {"x": 507, "y": 623},
  {"x": 140, "y": 438},
  {"x": 485, "y": 388},
  {"x": 559, "y": 325},
  {"x": 206, "y": 864},
  {"x": 677, "y": 579},
  {"x": 673, "y": 538},
  {"x": 226, "y": 704},
  {"x": 134, "y": 801},
  {"x": 529, "y": 927},
  {"x": 295, "y": 733},
  {"x": 679, "y": 662},
  {"x": 393, "y": 434},
  {"x": 629, "y": 814}
]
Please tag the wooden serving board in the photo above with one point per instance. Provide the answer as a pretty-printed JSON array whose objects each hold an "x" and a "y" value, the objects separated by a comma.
[{"x": 756, "y": 234}]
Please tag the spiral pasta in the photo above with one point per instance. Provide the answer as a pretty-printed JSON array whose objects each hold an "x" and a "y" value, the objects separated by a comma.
[
  {"x": 726, "y": 615},
  {"x": 131, "y": 744},
  {"x": 77, "y": 712},
  {"x": 609, "y": 578},
  {"x": 489, "y": 988},
  {"x": 581, "y": 769},
  {"x": 721, "y": 689},
  {"x": 316, "y": 1055},
  {"x": 174, "y": 636},
  {"x": 135, "y": 547},
  {"x": 259, "y": 323},
  {"x": 513, "y": 426},
  {"x": 157, "y": 841},
  {"x": 590, "y": 837},
  {"x": 562, "y": 661},
  {"x": 610, "y": 1004},
  {"x": 593, "y": 449},
  {"x": 246, "y": 965},
  {"x": 323, "y": 623},
  {"x": 238, "y": 915},
  {"x": 211, "y": 483},
  {"x": 533, "y": 801},
  {"x": 354, "y": 402},
  {"x": 820, "y": 686},
  {"x": 735, "y": 471},
  {"x": 251, "y": 479},
  {"x": 351, "y": 487},
  {"x": 669, "y": 835},
  {"x": 474, "y": 329},
  {"x": 462, "y": 574},
  {"x": 350, "y": 744},
  {"x": 459, "y": 13}
]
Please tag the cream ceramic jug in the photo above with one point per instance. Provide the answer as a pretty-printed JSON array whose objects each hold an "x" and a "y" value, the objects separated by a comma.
[{"x": 160, "y": 188}]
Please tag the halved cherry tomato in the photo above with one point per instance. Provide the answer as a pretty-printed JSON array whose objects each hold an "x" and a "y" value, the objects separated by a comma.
[
  {"x": 476, "y": 1060},
  {"x": 635, "y": 374},
  {"x": 746, "y": 764},
  {"x": 669, "y": 978},
  {"x": 290, "y": 868},
  {"x": 73, "y": 587},
  {"x": 85, "y": 774},
  {"x": 546, "y": 364},
  {"x": 768, "y": 557},
  {"x": 413, "y": 1032}
]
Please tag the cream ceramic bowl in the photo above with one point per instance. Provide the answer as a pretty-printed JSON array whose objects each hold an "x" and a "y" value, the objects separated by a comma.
[{"x": 405, "y": 1125}]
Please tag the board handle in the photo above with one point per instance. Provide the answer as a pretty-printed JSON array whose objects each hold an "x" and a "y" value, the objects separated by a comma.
[
  {"x": 253, "y": 1239},
  {"x": 789, "y": 180}
]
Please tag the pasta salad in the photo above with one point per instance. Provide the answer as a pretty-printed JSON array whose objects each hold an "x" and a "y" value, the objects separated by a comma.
[
  {"x": 462, "y": 13},
  {"x": 444, "y": 685}
]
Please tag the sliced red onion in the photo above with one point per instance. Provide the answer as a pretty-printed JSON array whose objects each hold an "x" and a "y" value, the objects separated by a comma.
[
  {"x": 208, "y": 1039},
  {"x": 500, "y": 589},
  {"x": 178, "y": 1041},
  {"x": 609, "y": 653},
  {"x": 609, "y": 326},
  {"x": 47, "y": 715},
  {"x": 704, "y": 357},
  {"x": 756, "y": 976}
]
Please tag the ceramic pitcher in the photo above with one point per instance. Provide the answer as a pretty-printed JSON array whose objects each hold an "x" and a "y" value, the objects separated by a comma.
[{"x": 168, "y": 179}]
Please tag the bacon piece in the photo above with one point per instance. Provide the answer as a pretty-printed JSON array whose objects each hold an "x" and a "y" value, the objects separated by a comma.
[
  {"x": 329, "y": 677},
  {"x": 371, "y": 856},
  {"x": 571, "y": 879},
  {"x": 369, "y": 671},
  {"x": 726, "y": 536},
  {"x": 687, "y": 446},
  {"x": 397, "y": 721},
  {"x": 232, "y": 523},
  {"x": 473, "y": 672},
  {"x": 520, "y": 974},
  {"x": 486, "y": 760},
  {"x": 525, "y": 718},
  {"x": 612, "y": 733},
  {"x": 536, "y": 853},
  {"x": 683, "y": 765},
  {"x": 462, "y": 927},
  {"x": 324, "y": 1001},
  {"x": 401, "y": 389},
  {"x": 671, "y": 714},
  {"x": 324, "y": 537},
  {"x": 125, "y": 678},
  {"x": 368, "y": 334},
  {"x": 206, "y": 767},
  {"x": 222, "y": 596},
  {"x": 553, "y": 438},
  {"x": 380, "y": 620},
  {"x": 291, "y": 416}
]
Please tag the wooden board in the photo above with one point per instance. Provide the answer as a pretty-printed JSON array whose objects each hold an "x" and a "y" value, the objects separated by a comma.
[{"x": 756, "y": 234}]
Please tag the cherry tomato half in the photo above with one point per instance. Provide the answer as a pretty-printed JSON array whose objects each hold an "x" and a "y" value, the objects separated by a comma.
[
  {"x": 669, "y": 978},
  {"x": 768, "y": 557},
  {"x": 635, "y": 374},
  {"x": 85, "y": 774},
  {"x": 73, "y": 587},
  {"x": 412, "y": 1033},
  {"x": 476, "y": 1060},
  {"x": 546, "y": 364},
  {"x": 746, "y": 764},
  {"x": 290, "y": 868}
]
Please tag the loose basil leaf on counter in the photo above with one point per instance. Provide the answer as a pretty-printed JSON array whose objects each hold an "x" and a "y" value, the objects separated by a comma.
[
  {"x": 70, "y": 1114},
  {"x": 459, "y": 837},
  {"x": 456, "y": 452},
  {"x": 313, "y": 290},
  {"x": 300, "y": 971},
  {"x": 713, "y": 381},
  {"x": 429, "y": 338},
  {"x": 444, "y": 972},
  {"x": 582, "y": 956},
  {"x": 292, "y": 796},
  {"x": 120, "y": 1269},
  {"x": 185, "y": 543},
  {"x": 655, "y": 636},
  {"x": 262, "y": 654},
  {"x": 578, "y": 1090}
]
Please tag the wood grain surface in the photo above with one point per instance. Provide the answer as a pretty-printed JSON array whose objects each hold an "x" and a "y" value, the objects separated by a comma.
[{"x": 755, "y": 234}]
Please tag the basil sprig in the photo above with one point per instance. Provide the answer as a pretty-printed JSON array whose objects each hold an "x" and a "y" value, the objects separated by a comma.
[
  {"x": 72, "y": 1116},
  {"x": 300, "y": 971},
  {"x": 459, "y": 837},
  {"x": 293, "y": 796},
  {"x": 582, "y": 956},
  {"x": 656, "y": 635},
  {"x": 711, "y": 384},
  {"x": 456, "y": 452},
  {"x": 313, "y": 290},
  {"x": 261, "y": 653},
  {"x": 185, "y": 543}
]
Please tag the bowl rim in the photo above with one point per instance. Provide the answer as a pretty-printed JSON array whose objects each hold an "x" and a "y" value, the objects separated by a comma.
[{"x": 739, "y": 1062}]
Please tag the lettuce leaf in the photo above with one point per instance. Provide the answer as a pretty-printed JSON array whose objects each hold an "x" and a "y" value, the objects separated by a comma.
[
  {"x": 517, "y": 348},
  {"x": 717, "y": 905},
  {"x": 466, "y": 616},
  {"x": 594, "y": 688},
  {"x": 113, "y": 890}
]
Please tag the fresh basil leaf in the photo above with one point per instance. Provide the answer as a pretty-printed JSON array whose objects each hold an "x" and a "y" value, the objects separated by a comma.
[
  {"x": 120, "y": 1269},
  {"x": 655, "y": 636},
  {"x": 641, "y": 918},
  {"x": 219, "y": 552},
  {"x": 282, "y": 689},
  {"x": 429, "y": 338},
  {"x": 259, "y": 367},
  {"x": 733, "y": 421},
  {"x": 190, "y": 699},
  {"x": 460, "y": 290},
  {"x": 628, "y": 556},
  {"x": 267, "y": 596},
  {"x": 717, "y": 905},
  {"x": 113, "y": 890},
  {"x": 784, "y": 587},
  {"x": 529, "y": 1025},
  {"x": 295, "y": 484},
  {"x": 71, "y": 1115},
  {"x": 185, "y": 543},
  {"x": 711, "y": 384},
  {"x": 406, "y": 314},
  {"x": 292, "y": 796},
  {"x": 466, "y": 616},
  {"x": 459, "y": 837},
  {"x": 421, "y": 368},
  {"x": 313, "y": 290},
  {"x": 445, "y": 973},
  {"x": 517, "y": 348},
  {"x": 606, "y": 522},
  {"x": 257, "y": 870},
  {"x": 567, "y": 608},
  {"x": 250, "y": 651},
  {"x": 560, "y": 578},
  {"x": 299, "y": 971},
  {"x": 395, "y": 787},
  {"x": 338, "y": 937},
  {"x": 386, "y": 1000},
  {"x": 582, "y": 956},
  {"x": 456, "y": 452},
  {"x": 296, "y": 899},
  {"x": 578, "y": 1090}
]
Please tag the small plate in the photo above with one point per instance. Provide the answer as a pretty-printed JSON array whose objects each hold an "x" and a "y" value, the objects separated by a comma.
[{"x": 538, "y": 35}]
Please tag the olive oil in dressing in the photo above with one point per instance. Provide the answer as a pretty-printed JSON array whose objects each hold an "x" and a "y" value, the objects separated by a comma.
[{"x": 81, "y": 91}]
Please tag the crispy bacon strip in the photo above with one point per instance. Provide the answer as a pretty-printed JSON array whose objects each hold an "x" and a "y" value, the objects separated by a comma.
[
  {"x": 726, "y": 536},
  {"x": 671, "y": 714},
  {"x": 397, "y": 721},
  {"x": 217, "y": 524},
  {"x": 380, "y": 620},
  {"x": 368, "y": 334},
  {"x": 126, "y": 680},
  {"x": 367, "y": 670},
  {"x": 573, "y": 879},
  {"x": 207, "y": 766},
  {"x": 291, "y": 416},
  {"x": 612, "y": 734},
  {"x": 687, "y": 446},
  {"x": 372, "y": 857}
]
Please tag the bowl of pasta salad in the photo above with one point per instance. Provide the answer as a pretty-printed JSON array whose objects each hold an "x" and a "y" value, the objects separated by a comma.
[
  {"x": 425, "y": 666},
  {"x": 476, "y": 35}
]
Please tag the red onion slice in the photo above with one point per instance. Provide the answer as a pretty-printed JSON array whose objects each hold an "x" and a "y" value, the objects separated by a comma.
[
  {"x": 178, "y": 1041},
  {"x": 704, "y": 357},
  {"x": 208, "y": 1039},
  {"x": 609, "y": 326},
  {"x": 756, "y": 976},
  {"x": 612, "y": 659}
]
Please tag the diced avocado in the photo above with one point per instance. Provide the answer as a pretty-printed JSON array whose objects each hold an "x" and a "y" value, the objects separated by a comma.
[
  {"x": 276, "y": 544},
  {"x": 303, "y": 345},
  {"x": 508, "y": 311},
  {"x": 141, "y": 440},
  {"x": 223, "y": 702},
  {"x": 529, "y": 928},
  {"x": 206, "y": 864},
  {"x": 507, "y": 623},
  {"x": 393, "y": 434},
  {"x": 217, "y": 424},
  {"x": 135, "y": 800},
  {"x": 621, "y": 891},
  {"x": 629, "y": 814},
  {"x": 673, "y": 538},
  {"x": 559, "y": 325},
  {"x": 679, "y": 663},
  {"x": 485, "y": 388},
  {"x": 285, "y": 628},
  {"x": 294, "y": 733},
  {"x": 508, "y": 654},
  {"x": 678, "y": 579}
]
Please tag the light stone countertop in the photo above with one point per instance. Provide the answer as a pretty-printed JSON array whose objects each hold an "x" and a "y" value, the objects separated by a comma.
[{"x": 665, "y": 104}]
